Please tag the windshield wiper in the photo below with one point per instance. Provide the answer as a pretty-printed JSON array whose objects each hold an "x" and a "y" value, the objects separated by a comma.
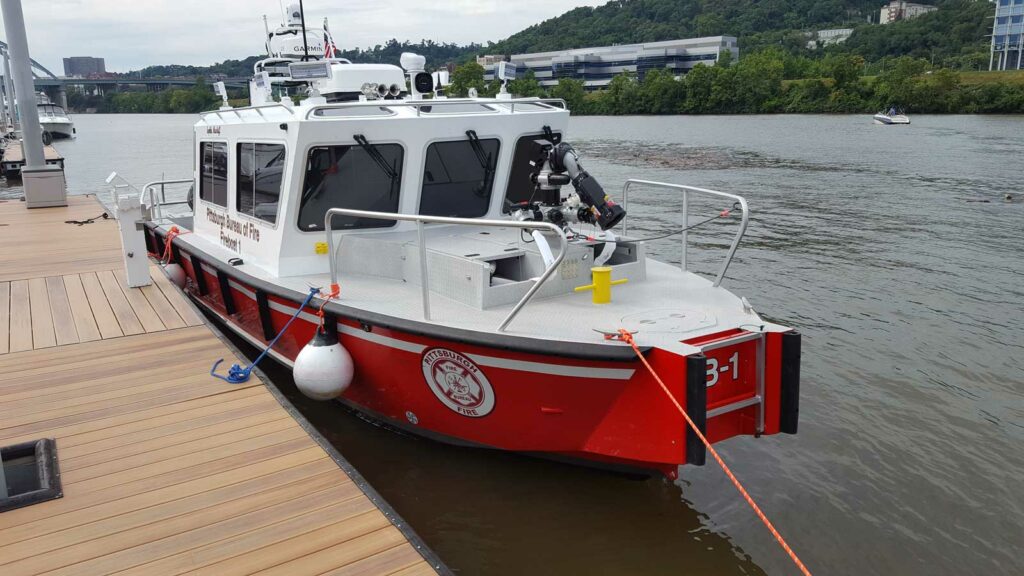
[
  {"x": 484, "y": 158},
  {"x": 376, "y": 156}
]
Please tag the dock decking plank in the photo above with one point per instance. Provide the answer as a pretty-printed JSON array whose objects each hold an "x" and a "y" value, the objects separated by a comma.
[
  {"x": 342, "y": 554},
  {"x": 5, "y": 317},
  {"x": 386, "y": 562},
  {"x": 106, "y": 320},
  {"x": 168, "y": 315},
  {"x": 21, "y": 317},
  {"x": 118, "y": 532},
  {"x": 140, "y": 305},
  {"x": 60, "y": 307},
  {"x": 239, "y": 535},
  {"x": 175, "y": 297},
  {"x": 126, "y": 317},
  {"x": 81, "y": 312},
  {"x": 42, "y": 318}
]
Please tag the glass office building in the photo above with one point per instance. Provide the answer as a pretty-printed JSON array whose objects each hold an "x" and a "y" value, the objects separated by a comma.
[
  {"x": 1007, "y": 35},
  {"x": 597, "y": 66}
]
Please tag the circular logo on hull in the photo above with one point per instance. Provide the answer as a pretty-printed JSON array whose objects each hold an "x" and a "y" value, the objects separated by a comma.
[{"x": 457, "y": 382}]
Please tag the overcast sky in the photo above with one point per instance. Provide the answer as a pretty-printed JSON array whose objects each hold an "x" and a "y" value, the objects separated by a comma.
[{"x": 132, "y": 34}]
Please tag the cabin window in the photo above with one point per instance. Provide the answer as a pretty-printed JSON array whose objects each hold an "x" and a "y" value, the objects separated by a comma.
[
  {"x": 260, "y": 169},
  {"x": 360, "y": 177},
  {"x": 458, "y": 178},
  {"x": 213, "y": 180},
  {"x": 520, "y": 187}
]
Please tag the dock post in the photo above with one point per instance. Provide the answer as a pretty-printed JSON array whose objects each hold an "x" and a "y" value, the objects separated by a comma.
[
  {"x": 44, "y": 185},
  {"x": 12, "y": 113}
]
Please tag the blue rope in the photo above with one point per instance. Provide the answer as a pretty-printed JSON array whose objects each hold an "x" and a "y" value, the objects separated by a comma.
[{"x": 237, "y": 374}]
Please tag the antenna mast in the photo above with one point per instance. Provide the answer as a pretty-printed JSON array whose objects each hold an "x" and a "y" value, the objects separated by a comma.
[{"x": 305, "y": 41}]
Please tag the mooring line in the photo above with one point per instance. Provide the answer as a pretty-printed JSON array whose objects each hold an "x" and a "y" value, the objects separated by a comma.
[{"x": 627, "y": 337}]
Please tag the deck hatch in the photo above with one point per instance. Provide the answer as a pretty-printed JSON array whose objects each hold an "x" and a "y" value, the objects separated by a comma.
[{"x": 29, "y": 474}]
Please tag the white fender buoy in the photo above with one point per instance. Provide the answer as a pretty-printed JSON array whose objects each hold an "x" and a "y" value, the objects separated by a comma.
[
  {"x": 323, "y": 369},
  {"x": 176, "y": 273}
]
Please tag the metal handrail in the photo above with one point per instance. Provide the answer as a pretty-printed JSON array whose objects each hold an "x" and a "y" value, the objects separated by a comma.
[
  {"x": 256, "y": 108},
  {"x": 149, "y": 188},
  {"x": 686, "y": 216},
  {"x": 417, "y": 104},
  {"x": 421, "y": 219}
]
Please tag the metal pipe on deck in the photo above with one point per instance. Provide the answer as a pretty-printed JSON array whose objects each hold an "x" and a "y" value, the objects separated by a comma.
[{"x": 24, "y": 89}]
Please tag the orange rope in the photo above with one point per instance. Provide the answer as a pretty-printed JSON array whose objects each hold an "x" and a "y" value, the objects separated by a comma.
[
  {"x": 626, "y": 337},
  {"x": 334, "y": 293},
  {"x": 173, "y": 233}
]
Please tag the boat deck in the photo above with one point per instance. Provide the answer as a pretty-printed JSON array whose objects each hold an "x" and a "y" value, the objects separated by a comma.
[{"x": 164, "y": 469}]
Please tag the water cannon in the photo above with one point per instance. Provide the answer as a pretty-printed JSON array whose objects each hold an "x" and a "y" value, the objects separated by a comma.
[{"x": 558, "y": 165}]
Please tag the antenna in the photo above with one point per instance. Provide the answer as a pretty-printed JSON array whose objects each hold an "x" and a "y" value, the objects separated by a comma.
[
  {"x": 305, "y": 40},
  {"x": 284, "y": 15},
  {"x": 267, "y": 28}
]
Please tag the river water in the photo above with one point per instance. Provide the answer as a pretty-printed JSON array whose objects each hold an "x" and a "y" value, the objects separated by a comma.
[{"x": 890, "y": 248}]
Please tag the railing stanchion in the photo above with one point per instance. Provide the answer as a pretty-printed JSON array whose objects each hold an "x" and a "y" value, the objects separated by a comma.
[
  {"x": 686, "y": 224},
  {"x": 686, "y": 217},
  {"x": 424, "y": 275}
]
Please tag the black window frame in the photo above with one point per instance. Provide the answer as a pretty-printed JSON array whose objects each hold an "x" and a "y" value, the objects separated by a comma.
[
  {"x": 238, "y": 180},
  {"x": 364, "y": 224},
  {"x": 474, "y": 161},
  {"x": 202, "y": 196}
]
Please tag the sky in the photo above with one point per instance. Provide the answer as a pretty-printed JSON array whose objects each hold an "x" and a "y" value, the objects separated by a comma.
[{"x": 132, "y": 34}]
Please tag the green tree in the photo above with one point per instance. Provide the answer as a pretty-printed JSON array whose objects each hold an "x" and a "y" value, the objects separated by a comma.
[
  {"x": 573, "y": 92},
  {"x": 844, "y": 69},
  {"x": 661, "y": 93},
  {"x": 526, "y": 87},
  {"x": 469, "y": 75}
]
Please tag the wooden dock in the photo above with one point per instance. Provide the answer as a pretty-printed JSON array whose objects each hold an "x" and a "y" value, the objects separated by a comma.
[
  {"x": 165, "y": 470},
  {"x": 13, "y": 158}
]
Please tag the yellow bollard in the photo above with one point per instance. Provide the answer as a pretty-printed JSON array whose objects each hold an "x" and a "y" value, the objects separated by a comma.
[{"x": 602, "y": 284}]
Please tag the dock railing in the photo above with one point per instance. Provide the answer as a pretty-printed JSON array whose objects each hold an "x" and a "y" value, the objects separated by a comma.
[
  {"x": 422, "y": 220},
  {"x": 487, "y": 105},
  {"x": 687, "y": 191}
]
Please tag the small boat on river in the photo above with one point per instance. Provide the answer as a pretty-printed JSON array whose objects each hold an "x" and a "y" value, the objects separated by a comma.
[
  {"x": 466, "y": 261},
  {"x": 892, "y": 116}
]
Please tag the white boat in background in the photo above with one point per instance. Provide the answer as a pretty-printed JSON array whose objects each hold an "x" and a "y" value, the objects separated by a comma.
[
  {"x": 892, "y": 116},
  {"x": 53, "y": 118}
]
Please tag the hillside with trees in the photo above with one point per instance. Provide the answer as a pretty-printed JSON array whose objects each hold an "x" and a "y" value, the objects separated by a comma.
[{"x": 923, "y": 64}]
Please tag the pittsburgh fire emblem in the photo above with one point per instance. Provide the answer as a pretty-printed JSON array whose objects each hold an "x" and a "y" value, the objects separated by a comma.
[{"x": 457, "y": 382}]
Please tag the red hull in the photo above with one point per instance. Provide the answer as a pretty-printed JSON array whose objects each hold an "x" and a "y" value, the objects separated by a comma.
[{"x": 611, "y": 413}]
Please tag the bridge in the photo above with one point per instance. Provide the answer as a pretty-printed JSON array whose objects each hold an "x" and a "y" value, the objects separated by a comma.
[{"x": 56, "y": 87}]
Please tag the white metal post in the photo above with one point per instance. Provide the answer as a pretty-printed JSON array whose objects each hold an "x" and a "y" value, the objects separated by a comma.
[
  {"x": 133, "y": 239},
  {"x": 686, "y": 224},
  {"x": 24, "y": 89},
  {"x": 44, "y": 185},
  {"x": 424, "y": 275},
  {"x": 9, "y": 91}
]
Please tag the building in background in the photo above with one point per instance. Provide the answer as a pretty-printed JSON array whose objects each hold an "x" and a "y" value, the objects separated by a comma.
[
  {"x": 597, "y": 66},
  {"x": 489, "y": 59},
  {"x": 823, "y": 38},
  {"x": 84, "y": 67},
  {"x": 1007, "y": 36},
  {"x": 899, "y": 10}
]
